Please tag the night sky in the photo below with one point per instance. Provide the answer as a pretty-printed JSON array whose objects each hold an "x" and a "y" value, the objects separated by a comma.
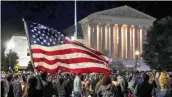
[{"x": 60, "y": 14}]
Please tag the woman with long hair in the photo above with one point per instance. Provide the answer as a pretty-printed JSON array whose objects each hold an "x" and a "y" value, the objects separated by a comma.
[
  {"x": 164, "y": 82},
  {"x": 30, "y": 90}
]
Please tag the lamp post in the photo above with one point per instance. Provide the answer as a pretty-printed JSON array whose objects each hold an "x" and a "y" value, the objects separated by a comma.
[
  {"x": 10, "y": 46},
  {"x": 137, "y": 57}
]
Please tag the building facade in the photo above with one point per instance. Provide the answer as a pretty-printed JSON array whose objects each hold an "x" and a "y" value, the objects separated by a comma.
[
  {"x": 121, "y": 31},
  {"x": 21, "y": 48}
]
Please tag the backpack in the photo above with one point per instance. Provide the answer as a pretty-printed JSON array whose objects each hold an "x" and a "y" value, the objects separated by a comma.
[{"x": 110, "y": 92}]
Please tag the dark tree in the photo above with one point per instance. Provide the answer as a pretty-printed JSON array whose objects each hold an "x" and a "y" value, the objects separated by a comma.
[
  {"x": 158, "y": 48},
  {"x": 30, "y": 66},
  {"x": 10, "y": 60}
]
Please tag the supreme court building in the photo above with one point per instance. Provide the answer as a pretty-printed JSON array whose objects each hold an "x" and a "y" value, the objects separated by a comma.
[{"x": 121, "y": 31}]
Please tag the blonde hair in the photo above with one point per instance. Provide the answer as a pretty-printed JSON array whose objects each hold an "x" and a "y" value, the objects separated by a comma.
[
  {"x": 151, "y": 77},
  {"x": 163, "y": 80}
]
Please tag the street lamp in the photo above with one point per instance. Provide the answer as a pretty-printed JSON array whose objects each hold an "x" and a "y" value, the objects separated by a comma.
[
  {"x": 10, "y": 46},
  {"x": 137, "y": 53}
]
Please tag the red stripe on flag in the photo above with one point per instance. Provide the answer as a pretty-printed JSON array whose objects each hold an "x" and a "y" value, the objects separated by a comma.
[
  {"x": 67, "y": 61},
  {"x": 80, "y": 70}
]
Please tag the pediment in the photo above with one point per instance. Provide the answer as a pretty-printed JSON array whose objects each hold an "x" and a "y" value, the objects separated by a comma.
[{"x": 124, "y": 11}]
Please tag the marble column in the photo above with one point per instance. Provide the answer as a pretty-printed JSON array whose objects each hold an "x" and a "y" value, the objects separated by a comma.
[
  {"x": 88, "y": 35},
  {"x": 103, "y": 37},
  {"x": 91, "y": 35},
  {"x": 112, "y": 40},
  {"x": 95, "y": 37},
  {"x": 128, "y": 42},
  {"x": 120, "y": 41},
  {"x": 136, "y": 38}
]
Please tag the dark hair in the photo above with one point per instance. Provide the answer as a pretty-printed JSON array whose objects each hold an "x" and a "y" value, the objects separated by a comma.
[
  {"x": 43, "y": 75},
  {"x": 16, "y": 76},
  {"x": 106, "y": 80},
  {"x": 61, "y": 80},
  {"x": 82, "y": 77},
  {"x": 24, "y": 78},
  {"x": 9, "y": 77},
  {"x": 114, "y": 78},
  {"x": 145, "y": 77},
  {"x": 32, "y": 82}
]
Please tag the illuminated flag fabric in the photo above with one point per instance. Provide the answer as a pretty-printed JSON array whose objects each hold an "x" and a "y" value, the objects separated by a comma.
[{"x": 52, "y": 51}]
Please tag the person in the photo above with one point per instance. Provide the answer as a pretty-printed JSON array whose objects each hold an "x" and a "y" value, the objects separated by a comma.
[
  {"x": 31, "y": 90},
  {"x": 17, "y": 87},
  {"x": 94, "y": 81},
  {"x": 61, "y": 92},
  {"x": 23, "y": 84},
  {"x": 117, "y": 84},
  {"x": 87, "y": 89},
  {"x": 48, "y": 89},
  {"x": 77, "y": 86},
  {"x": 123, "y": 84},
  {"x": 165, "y": 90},
  {"x": 98, "y": 85},
  {"x": 68, "y": 84},
  {"x": 107, "y": 89},
  {"x": 144, "y": 89},
  {"x": 152, "y": 82},
  {"x": 10, "y": 85}
]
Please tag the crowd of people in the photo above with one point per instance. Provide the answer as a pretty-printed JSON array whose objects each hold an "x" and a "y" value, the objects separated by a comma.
[{"x": 63, "y": 84}]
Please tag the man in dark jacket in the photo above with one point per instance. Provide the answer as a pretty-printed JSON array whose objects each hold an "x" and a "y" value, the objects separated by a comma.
[
  {"x": 144, "y": 89},
  {"x": 68, "y": 84},
  {"x": 48, "y": 89}
]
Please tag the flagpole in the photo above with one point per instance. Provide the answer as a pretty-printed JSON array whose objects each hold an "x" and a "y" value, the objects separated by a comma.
[
  {"x": 75, "y": 34},
  {"x": 26, "y": 30}
]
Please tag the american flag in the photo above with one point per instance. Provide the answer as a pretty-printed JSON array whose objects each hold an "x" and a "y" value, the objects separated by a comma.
[{"x": 53, "y": 51}]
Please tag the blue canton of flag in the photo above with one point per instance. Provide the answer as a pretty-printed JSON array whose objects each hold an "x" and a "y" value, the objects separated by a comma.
[{"x": 45, "y": 36}]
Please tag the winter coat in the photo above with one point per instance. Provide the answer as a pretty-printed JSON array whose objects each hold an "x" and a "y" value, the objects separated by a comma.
[
  {"x": 48, "y": 89},
  {"x": 108, "y": 91},
  {"x": 144, "y": 89}
]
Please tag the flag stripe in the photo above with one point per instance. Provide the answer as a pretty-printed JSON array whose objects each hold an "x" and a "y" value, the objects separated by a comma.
[
  {"x": 90, "y": 49},
  {"x": 67, "y": 61},
  {"x": 70, "y": 66},
  {"x": 78, "y": 70},
  {"x": 65, "y": 50},
  {"x": 64, "y": 56},
  {"x": 82, "y": 45}
]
